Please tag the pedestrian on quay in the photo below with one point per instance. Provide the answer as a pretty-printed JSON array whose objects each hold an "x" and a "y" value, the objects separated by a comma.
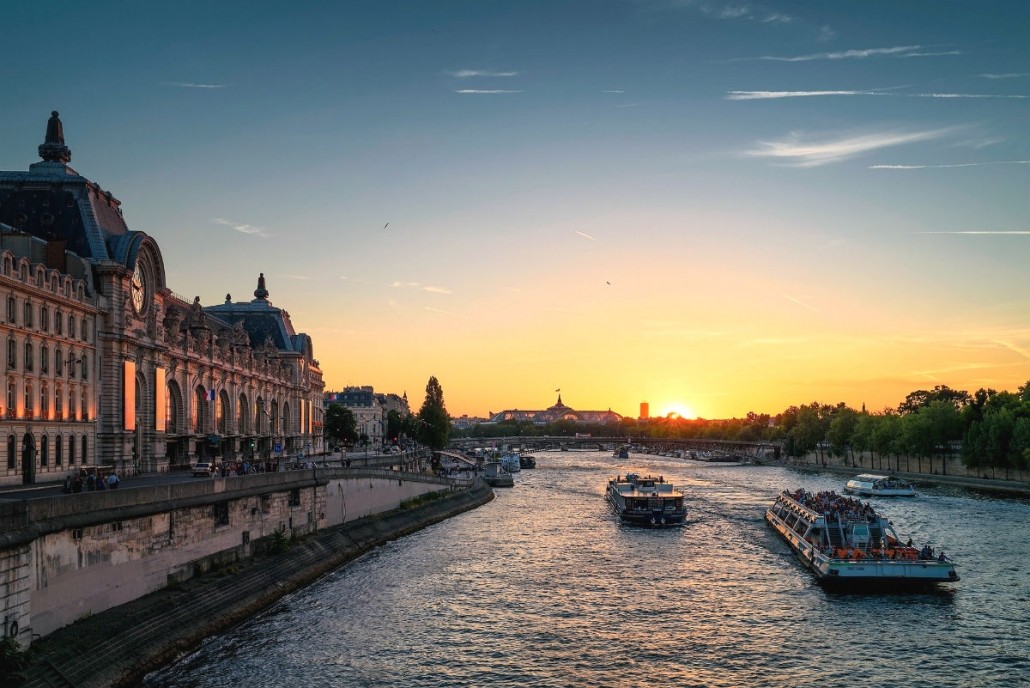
[
  {"x": 112, "y": 481},
  {"x": 77, "y": 484},
  {"x": 67, "y": 489}
]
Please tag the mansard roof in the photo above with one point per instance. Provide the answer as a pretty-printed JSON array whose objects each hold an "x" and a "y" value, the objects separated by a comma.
[
  {"x": 557, "y": 412},
  {"x": 263, "y": 322}
]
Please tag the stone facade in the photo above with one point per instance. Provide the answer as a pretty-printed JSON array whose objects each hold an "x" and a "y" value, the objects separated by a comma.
[{"x": 160, "y": 381}]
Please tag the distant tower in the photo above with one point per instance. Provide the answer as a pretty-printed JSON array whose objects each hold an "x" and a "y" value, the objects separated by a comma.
[{"x": 645, "y": 409}]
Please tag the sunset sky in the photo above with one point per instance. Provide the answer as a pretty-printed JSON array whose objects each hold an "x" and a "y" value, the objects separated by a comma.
[{"x": 712, "y": 206}]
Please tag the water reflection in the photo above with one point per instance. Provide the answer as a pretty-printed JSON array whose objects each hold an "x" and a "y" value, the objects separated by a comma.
[{"x": 545, "y": 587}]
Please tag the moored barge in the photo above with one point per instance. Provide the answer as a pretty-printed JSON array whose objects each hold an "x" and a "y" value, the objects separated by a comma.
[{"x": 847, "y": 544}]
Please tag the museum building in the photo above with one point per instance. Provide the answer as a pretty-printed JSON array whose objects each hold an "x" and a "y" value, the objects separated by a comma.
[{"x": 106, "y": 365}]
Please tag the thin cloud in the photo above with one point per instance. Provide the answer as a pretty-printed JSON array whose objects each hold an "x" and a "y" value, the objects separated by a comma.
[
  {"x": 1012, "y": 347},
  {"x": 945, "y": 167},
  {"x": 184, "y": 84},
  {"x": 240, "y": 227},
  {"x": 800, "y": 303},
  {"x": 1011, "y": 75},
  {"x": 484, "y": 91},
  {"x": 613, "y": 91},
  {"x": 299, "y": 278},
  {"x": 437, "y": 290},
  {"x": 403, "y": 285},
  {"x": 772, "y": 95},
  {"x": 795, "y": 151},
  {"x": 1019, "y": 232},
  {"x": 440, "y": 310},
  {"x": 468, "y": 73},
  {"x": 585, "y": 235},
  {"x": 896, "y": 51},
  {"x": 768, "y": 95},
  {"x": 729, "y": 10}
]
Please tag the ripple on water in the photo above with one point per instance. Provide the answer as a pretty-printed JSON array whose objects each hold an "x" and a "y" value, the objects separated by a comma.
[{"x": 544, "y": 587}]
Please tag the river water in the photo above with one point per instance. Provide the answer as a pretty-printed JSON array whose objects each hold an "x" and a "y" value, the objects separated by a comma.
[{"x": 544, "y": 587}]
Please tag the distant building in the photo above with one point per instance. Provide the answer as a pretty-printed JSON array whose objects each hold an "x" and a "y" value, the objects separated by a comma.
[
  {"x": 645, "y": 410},
  {"x": 369, "y": 414},
  {"x": 392, "y": 402},
  {"x": 467, "y": 422},
  {"x": 558, "y": 412}
]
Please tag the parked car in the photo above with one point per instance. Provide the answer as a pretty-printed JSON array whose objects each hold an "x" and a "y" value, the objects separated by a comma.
[{"x": 204, "y": 468}]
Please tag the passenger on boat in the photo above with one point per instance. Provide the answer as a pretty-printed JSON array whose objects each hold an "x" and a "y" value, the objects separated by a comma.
[{"x": 941, "y": 556}]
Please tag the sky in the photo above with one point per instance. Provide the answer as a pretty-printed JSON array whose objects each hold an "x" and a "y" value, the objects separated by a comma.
[{"x": 711, "y": 206}]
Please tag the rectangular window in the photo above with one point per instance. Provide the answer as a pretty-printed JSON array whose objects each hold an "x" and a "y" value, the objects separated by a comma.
[
  {"x": 221, "y": 514},
  {"x": 295, "y": 497}
]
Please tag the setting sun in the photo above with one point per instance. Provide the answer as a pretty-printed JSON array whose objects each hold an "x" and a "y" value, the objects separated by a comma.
[{"x": 679, "y": 410}]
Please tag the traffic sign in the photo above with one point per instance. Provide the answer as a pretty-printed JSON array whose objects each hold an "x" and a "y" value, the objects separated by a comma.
[{"x": 277, "y": 448}]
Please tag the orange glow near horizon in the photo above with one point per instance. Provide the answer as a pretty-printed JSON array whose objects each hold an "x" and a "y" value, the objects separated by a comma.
[{"x": 677, "y": 410}]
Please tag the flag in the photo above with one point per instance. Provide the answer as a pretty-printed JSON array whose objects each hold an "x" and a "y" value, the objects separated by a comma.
[
  {"x": 210, "y": 395},
  {"x": 558, "y": 390}
]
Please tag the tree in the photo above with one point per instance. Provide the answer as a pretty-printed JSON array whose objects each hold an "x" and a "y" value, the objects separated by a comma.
[
  {"x": 394, "y": 426},
  {"x": 921, "y": 397},
  {"x": 340, "y": 426},
  {"x": 434, "y": 422},
  {"x": 842, "y": 427}
]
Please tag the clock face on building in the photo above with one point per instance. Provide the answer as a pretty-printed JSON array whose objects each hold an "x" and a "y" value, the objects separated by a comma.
[{"x": 139, "y": 290}]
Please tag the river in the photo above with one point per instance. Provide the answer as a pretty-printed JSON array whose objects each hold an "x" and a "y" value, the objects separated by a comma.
[{"x": 544, "y": 587}]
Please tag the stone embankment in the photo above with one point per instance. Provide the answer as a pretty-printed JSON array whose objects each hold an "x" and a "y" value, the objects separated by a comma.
[
  {"x": 121, "y": 645},
  {"x": 957, "y": 474}
]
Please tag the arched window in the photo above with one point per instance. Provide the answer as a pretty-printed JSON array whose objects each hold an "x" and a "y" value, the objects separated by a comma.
[
  {"x": 44, "y": 358},
  {"x": 275, "y": 417},
  {"x": 71, "y": 451},
  {"x": 59, "y": 403},
  {"x": 173, "y": 409},
  {"x": 71, "y": 404},
  {"x": 59, "y": 322},
  {"x": 44, "y": 318},
  {"x": 71, "y": 325},
  {"x": 44, "y": 451},
  {"x": 44, "y": 401},
  {"x": 58, "y": 362},
  {"x": 71, "y": 365},
  {"x": 242, "y": 426},
  {"x": 12, "y": 354},
  {"x": 29, "y": 400},
  {"x": 85, "y": 366},
  {"x": 12, "y": 310},
  {"x": 85, "y": 330},
  {"x": 11, "y": 455},
  {"x": 84, "y": 407},
  {"x": 200, "y": 410},
  {"x": 222, "y": 414},
  {"x": 85, "y": 449},
  {"x": 28, "y": 314},
  {"x": 28, "y": 357},
  {"x": 58, "y": 447},
  {"x": 12, "y": 398}
]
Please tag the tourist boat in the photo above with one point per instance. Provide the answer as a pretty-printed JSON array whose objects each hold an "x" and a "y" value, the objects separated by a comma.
[
  {"x": 847, "y": 544},
  {"x": 494, "y": 475},
  {"x": 879, "y": 486},
  {"x": 622, "y": 452},
  {"x": 510, "y": 462},
  {"x": 527, "y": 461},
  {"x": 646, "y": 501}
]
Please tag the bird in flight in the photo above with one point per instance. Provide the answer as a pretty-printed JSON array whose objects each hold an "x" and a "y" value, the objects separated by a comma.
[
  {"x": 386, "y": 225},
  {"x": 608, "y": 283}
]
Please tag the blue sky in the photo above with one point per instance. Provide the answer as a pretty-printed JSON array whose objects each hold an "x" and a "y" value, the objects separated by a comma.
[{"x": 722, "y": 206}]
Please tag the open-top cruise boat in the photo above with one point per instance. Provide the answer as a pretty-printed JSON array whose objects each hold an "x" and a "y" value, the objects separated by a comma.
[
  {"x": 646, "y": 501},
  {"x": 847, "y": 544},
  {"x": 869, "y": 485}
]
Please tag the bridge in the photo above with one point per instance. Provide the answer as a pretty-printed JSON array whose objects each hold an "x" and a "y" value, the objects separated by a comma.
[{"x": 655, "y": 445}]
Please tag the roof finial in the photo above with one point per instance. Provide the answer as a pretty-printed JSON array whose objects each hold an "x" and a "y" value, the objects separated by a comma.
[
  {"x": 261, "y": 293},
  {"x": 53, "y": 148}
]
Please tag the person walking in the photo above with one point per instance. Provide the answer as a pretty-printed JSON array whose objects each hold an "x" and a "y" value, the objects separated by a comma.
[{"x": 112, "y": 481}]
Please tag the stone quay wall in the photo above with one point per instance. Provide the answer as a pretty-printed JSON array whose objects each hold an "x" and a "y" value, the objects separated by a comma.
[{"x": 70, "y": 557}]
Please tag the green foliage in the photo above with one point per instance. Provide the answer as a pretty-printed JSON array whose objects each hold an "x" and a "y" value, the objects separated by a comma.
[
  {"x": 340, "y": 425},
  {"x": 278, "y": 543},
  {"x": 434, "y": 422},
  {"x": 13, "y": 660}
]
